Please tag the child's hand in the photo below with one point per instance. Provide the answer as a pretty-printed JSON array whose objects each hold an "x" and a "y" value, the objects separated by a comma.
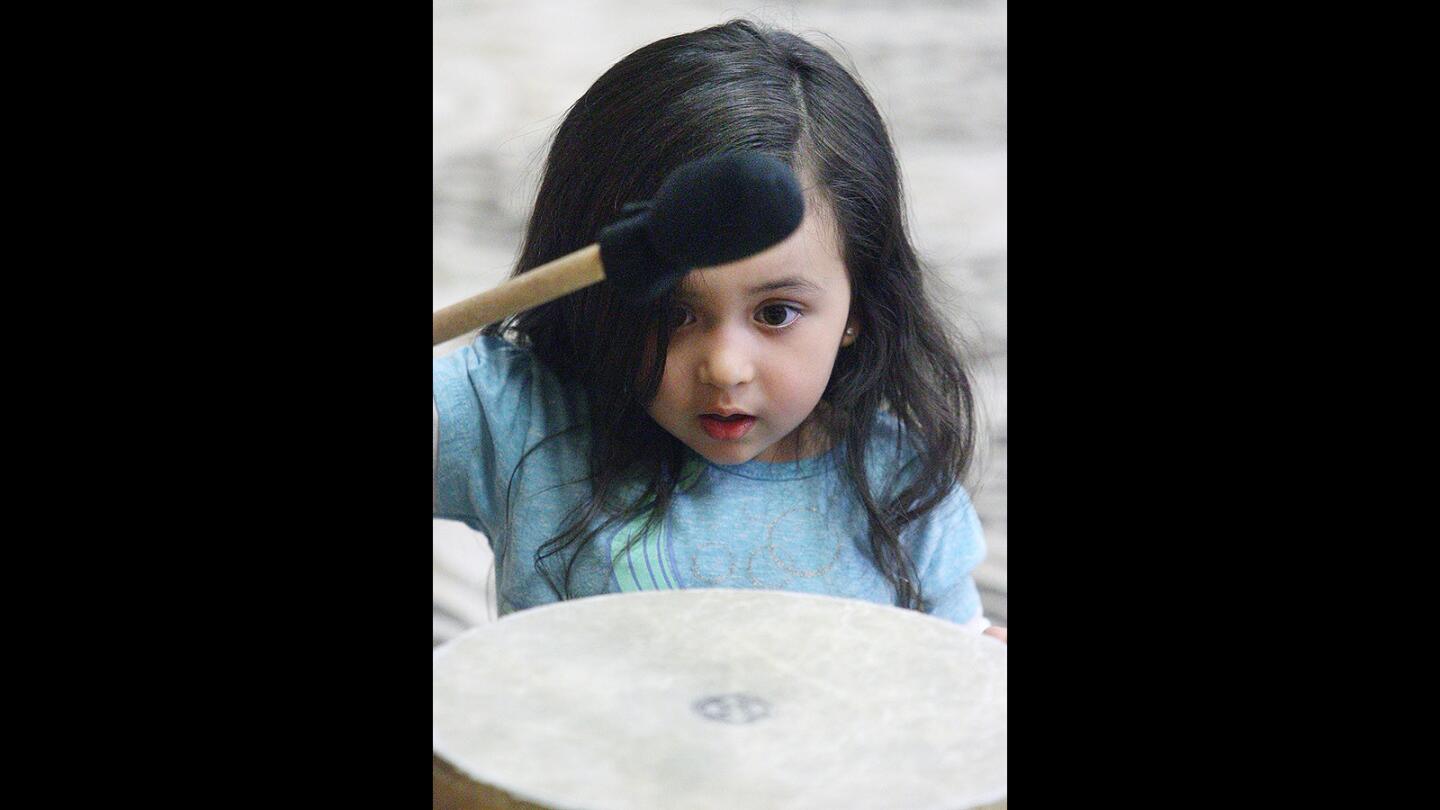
[{"x": 997, "y": 632}]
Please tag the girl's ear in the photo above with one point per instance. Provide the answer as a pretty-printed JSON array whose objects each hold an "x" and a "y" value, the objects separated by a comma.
[{"x": 852, "y": 329}]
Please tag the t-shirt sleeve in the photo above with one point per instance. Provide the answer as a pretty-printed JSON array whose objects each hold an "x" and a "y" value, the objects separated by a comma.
[
  {"x": 492, "y": 400},
  {"x": 952, "y": 544}
]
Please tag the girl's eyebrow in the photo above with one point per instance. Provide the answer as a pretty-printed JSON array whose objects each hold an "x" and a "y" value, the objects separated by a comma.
[
  {"x": 687, "y": 292},
  {"x": 787, "y": 283}
]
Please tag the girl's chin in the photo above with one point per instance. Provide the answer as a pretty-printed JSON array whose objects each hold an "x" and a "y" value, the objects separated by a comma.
[
  {"x": 728, "y": 453},
  {"x": 726, "y": 456}
]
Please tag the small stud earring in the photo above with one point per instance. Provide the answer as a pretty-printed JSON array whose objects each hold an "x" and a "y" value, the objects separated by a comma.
[{"x": 849, "y": 331}]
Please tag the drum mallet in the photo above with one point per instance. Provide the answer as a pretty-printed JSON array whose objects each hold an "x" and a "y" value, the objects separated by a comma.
[{"x": 707, "y": 212}]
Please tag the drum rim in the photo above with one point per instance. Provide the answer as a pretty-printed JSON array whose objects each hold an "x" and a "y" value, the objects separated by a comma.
[{"x": 670, "y": 592}]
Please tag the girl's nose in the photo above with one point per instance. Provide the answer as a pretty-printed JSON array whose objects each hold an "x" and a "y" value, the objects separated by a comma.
[{"x": 725, "y": 364}]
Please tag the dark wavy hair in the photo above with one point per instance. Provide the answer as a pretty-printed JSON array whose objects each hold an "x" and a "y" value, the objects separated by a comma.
[{"x": 740, "y": 86}]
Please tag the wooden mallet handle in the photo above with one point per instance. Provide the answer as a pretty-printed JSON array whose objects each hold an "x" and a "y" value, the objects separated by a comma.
[{"x": 545, "y": 283}]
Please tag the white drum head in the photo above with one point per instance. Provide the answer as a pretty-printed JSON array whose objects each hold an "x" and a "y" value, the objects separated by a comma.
[{"x": 705, "y": 698}]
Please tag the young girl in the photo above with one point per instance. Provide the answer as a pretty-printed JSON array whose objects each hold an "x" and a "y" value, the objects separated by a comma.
[{"x": 798, "y": 420}]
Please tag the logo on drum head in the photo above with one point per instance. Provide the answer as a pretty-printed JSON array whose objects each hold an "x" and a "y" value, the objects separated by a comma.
[{"x": 737, "y": 708}]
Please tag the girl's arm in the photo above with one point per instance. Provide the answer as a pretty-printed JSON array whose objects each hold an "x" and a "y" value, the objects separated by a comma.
[
  {"x": 491, "y": 401},
  {"x": 480, "y": 414},
  {"x": 951, "y": 544}
]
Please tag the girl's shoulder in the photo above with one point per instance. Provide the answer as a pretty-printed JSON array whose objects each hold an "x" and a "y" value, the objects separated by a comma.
[
  {"x": 494, "y": 363},
  {"x": 891, "y": 452},
  {"x": 489, "y": 355},
  {"x": 893, "y": 458},
  {"x": 506, "y": 386}
]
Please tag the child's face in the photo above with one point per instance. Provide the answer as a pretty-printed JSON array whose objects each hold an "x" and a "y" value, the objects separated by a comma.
[{"x": 767, "y": 353}]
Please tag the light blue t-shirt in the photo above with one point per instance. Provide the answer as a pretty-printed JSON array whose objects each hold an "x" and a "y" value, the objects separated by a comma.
[{"x": 788, "y": 526}]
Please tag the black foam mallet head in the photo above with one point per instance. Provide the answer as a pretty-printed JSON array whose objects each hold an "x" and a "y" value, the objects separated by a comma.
[{"x": 707, "y": 212}]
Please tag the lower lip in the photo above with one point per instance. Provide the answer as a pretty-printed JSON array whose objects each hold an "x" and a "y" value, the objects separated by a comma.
[{"x": 726, "y": 429}]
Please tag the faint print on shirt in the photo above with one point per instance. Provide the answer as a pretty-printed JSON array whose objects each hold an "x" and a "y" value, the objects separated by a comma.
[{"x": 644, "y": 561}]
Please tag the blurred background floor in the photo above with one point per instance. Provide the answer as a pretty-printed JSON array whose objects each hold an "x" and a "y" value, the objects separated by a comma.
[{"x": 505, "y": 73}]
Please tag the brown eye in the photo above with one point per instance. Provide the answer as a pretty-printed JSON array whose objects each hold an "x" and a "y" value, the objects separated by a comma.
[{"x": 777, "y": 315}]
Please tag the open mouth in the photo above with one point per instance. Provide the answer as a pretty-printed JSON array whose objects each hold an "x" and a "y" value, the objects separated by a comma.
[{"x": 726, "y": 427}]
